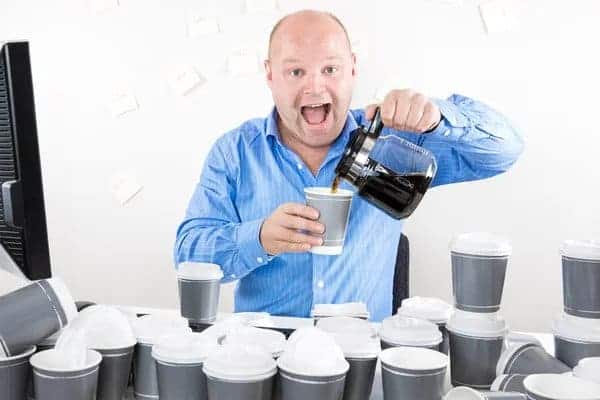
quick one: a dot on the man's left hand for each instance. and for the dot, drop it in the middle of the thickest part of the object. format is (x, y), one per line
(407, 110)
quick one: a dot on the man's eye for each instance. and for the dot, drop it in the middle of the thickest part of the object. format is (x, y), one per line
(296, 72)
(330, 70)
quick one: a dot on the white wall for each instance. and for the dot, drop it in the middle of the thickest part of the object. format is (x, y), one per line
(542, 74)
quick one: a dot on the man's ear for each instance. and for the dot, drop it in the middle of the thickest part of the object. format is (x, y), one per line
(268, 72)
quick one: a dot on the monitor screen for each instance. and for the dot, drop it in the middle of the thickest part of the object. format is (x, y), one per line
(23, 234)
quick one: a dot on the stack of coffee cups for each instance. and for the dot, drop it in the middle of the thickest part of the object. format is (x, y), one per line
(476, 329)
(577, 329)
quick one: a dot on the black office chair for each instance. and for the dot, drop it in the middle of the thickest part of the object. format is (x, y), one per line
(400, 290)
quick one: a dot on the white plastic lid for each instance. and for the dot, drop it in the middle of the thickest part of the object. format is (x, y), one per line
(64, 297)
(576, 328)
(358, 345)
(583, 249)
(429, 308)
(56, 361)
(319, 190)
(271, 341)
(199, 271)
(313, 352)
(184, 348)
(481, 244)
(346, 325)
(106, 328)
(408, 331)
(464, 393)
(562, 387)
(486, 325)
(149, 328)
(414, 358)
(356, 309)
(588, 369)
(240, 363)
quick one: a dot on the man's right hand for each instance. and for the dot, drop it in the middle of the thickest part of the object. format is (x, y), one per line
(282, 231)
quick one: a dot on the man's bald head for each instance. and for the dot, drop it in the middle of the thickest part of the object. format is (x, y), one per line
(305, 18)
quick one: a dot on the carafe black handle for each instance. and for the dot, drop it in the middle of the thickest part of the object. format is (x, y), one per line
(376, 124)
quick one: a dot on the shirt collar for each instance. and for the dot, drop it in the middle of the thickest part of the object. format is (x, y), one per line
(337, 147)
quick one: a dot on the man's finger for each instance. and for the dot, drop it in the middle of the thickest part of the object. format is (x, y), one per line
(429, 119)
(417, 109)
(301, 210)
(289, 247)
(303, 224)
(388, 110)
(296, 237)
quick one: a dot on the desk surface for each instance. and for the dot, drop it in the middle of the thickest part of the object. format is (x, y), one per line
(294, 323)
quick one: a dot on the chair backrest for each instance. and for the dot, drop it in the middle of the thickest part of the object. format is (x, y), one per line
(401, 274)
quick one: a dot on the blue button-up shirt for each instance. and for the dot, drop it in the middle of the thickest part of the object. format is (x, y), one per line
(250, 172)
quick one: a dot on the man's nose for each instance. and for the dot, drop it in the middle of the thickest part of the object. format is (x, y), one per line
(315, 84)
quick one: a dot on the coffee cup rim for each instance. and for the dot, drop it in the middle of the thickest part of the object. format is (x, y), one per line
(93, 358)
(394, 357)
(326, 191)
(461, 391)
(537, 384)
(6, 358)
(485, 244)
(574, 328)
(581, 249)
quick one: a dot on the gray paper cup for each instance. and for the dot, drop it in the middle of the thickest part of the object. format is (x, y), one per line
(478, 282)
(413, 373)
(571, 351)
(581, 277)
(15, 373)
(509, 383)
(181, 381)
(32, 313)
(359, 379)
(56, 384)
(581, 287)
(199, 287)
(240, 390)
(473, 360)
(145, 381)
(466, 393)
(114, 371)
(301, 387)
(334, 210)
(529, 358)
(560, 387)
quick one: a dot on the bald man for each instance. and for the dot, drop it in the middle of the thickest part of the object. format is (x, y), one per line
(248, 207)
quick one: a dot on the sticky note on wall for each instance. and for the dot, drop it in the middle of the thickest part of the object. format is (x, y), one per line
(124, 186)
(243, 62)
(199, 26)
(185, 79)
(122, 102)
(498, 16)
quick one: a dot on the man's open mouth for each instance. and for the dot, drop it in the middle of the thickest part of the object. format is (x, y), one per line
(315, 114)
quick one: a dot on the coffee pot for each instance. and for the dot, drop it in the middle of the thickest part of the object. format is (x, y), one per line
(388, 171)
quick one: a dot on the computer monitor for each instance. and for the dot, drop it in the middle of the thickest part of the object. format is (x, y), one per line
(23, 235)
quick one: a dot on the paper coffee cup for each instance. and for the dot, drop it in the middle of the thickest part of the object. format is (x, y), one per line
(588, 369)
(398, 331)
(476, 343)
(509, 383)
(560, 387)
(334, 211)
(413, 373)
(433, 310)
(14, 375)
(240, 373)
(271, 341)
(529, 358)
(312, 366)
(467, 393)
(479, 263)
(199, 286)
(149, 329)
(55, 378)
(576, 338)
(179, 360)
(32, 313)
(581, 277)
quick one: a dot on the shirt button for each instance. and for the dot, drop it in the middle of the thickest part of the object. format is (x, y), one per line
(299, 166)
(446, 132)
(232, 276)
(259, 259)
(320, 284)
